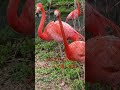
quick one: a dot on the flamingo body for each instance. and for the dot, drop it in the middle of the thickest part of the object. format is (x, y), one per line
(53, 30)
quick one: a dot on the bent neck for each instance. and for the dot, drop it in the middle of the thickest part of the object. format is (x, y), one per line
(12, 11)
(42, 21)
(63, 35)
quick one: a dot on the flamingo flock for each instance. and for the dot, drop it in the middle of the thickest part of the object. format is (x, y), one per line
(61, 31)
(52, 30)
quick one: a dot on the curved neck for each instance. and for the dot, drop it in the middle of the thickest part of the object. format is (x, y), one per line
(63, 35)
(78, 6)
(42, 21)
(12, 11)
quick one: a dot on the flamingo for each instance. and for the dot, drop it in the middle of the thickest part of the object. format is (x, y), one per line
(75, 13)
(52, 30)
(103, 61)
(74, 51)
(23, 24)
(97, 23)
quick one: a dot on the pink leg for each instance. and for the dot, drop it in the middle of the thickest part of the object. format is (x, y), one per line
(63, 72)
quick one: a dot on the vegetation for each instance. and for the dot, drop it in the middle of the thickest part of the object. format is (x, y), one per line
(68, 5)
(48, 65)
(17, 58)
(16, 55)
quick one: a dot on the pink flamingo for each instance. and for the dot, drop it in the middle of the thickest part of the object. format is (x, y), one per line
(52, 30)
(74, 51)
(103, 61)
(24, 23)
(75, 13)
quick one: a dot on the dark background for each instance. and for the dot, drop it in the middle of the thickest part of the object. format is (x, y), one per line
(16, 54)
(99, 78)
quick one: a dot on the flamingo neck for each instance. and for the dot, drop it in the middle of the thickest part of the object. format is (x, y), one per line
(78, 5)
(12, 16)
(40, 28)
(63, 35)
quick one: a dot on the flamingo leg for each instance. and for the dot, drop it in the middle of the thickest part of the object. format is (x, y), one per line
(82, 67)
(63, 70)
(49, 12)
(83, 77)
(78, 75)
(78, 72)
(74, 23)
(79, 25)
(61, 53)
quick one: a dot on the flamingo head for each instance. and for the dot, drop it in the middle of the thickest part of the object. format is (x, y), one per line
(38, 8)
(56, 14)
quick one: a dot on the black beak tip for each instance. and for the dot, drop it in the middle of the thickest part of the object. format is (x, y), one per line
(37, 14)
(55, 18)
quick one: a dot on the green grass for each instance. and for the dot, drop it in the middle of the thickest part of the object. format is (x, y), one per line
(53, 74)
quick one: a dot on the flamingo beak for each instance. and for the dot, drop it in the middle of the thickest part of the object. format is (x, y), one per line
(55, 18)
(37, 14)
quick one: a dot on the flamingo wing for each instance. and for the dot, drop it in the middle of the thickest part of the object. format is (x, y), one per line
(54, 32)
(69, 30)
